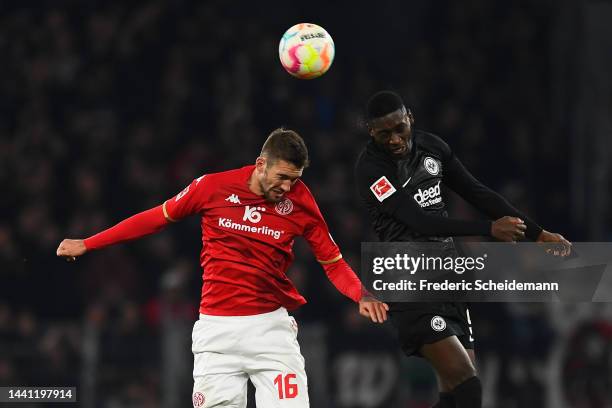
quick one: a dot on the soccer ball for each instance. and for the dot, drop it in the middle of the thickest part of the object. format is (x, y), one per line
(306, 51)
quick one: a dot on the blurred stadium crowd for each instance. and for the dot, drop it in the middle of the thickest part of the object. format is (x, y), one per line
(109, 108)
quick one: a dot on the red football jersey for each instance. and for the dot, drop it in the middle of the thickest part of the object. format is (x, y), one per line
(247, 242)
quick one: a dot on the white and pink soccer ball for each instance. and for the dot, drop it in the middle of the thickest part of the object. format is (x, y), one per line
(306, 51)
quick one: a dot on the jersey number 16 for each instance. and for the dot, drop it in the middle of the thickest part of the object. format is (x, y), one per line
(285, 388)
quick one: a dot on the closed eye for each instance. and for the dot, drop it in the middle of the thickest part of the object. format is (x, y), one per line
(286, 177)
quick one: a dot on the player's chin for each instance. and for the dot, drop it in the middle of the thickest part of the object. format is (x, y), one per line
(274, 197)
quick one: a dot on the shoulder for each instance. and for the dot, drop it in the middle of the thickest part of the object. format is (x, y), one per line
(232, 174)
(304, 197)
(370, 160)
(303, 201)
(301, 193)
(431, 143)
(228, 176)
(209, 185)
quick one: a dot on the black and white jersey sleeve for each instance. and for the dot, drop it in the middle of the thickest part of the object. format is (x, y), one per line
(489, 202)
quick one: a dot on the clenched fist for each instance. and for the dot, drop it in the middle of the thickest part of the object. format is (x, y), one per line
(508, 229)
(71, 248)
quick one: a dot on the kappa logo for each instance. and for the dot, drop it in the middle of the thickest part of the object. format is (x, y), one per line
(253, 214)
(438, 323)
(198, 399)
(382, 189)
(284, 207)
(432, 166)
(233, 198)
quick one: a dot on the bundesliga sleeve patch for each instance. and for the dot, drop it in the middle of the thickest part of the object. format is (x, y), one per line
(382, 189)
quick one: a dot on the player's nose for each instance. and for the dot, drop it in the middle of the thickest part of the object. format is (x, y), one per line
(286, 186)
(395, 139)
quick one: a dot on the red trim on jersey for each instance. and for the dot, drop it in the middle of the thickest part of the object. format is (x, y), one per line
(139, 225)
(344, 279)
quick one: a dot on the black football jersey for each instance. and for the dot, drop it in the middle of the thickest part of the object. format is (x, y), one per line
(404, 197)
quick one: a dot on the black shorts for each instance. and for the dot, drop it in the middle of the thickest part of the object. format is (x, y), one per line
(425, 323)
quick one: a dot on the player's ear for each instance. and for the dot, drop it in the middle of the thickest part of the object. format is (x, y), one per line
(369, 129)
(260, 164)
(410, 117)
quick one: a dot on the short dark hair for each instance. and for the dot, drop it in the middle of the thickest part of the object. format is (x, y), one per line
(288, 145)
(382, 103)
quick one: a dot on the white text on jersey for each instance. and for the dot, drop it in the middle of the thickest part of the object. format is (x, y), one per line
(428, 196)
(264, 230)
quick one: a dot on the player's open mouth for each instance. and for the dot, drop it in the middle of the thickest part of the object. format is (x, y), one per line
(398, 150)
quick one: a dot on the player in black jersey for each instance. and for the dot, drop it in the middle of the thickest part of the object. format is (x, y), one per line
(399, 176)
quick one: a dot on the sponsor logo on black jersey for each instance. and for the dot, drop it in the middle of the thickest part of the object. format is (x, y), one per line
(429, 196)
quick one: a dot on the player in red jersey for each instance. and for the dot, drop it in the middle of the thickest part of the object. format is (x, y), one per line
(250, 218)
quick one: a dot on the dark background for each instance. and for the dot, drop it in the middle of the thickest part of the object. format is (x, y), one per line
(109, 108)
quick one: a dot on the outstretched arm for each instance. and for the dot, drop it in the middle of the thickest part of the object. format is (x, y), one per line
(406, 210)
(458, 178)
(495, 206)
(139, 225)
(190, 200)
